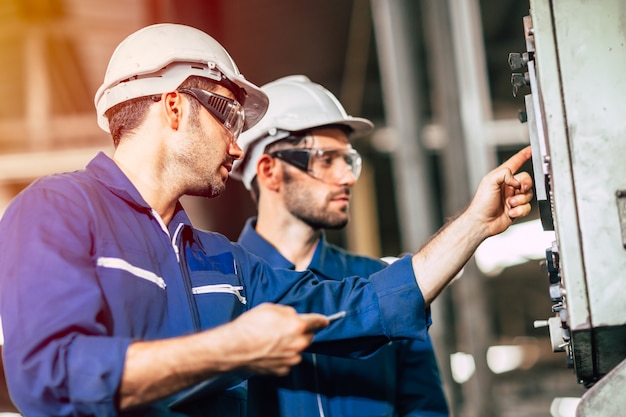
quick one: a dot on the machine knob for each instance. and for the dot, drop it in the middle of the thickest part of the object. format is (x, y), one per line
(557, 333)
(518, 61)
(518, 81)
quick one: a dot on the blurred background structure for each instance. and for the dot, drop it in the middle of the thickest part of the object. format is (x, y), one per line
(433, 76)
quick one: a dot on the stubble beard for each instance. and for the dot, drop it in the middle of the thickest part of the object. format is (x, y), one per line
(208, 183)
(304, 207)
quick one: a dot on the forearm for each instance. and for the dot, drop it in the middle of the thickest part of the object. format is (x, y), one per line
(443, 256)
(266, 339)
(501, 197)
(156, 369)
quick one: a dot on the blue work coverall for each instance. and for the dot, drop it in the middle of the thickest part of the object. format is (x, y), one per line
(401, 379)
(87, 267)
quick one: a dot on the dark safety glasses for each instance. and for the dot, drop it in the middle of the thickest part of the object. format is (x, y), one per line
(328, 165)
(228, 111)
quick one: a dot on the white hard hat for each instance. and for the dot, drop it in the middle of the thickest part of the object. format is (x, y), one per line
(158, 58)
(296, 104)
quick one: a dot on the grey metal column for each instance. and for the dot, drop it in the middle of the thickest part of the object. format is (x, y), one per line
(461, 104)
(473, 92)
(394, 39)
(473, 318)
(362, 232)
(446, 113)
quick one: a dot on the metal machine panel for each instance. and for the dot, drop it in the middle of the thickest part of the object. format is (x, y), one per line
(576, 60)
(561, 185)
(591, 40)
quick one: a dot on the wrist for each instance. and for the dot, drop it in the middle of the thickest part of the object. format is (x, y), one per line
(474, 226)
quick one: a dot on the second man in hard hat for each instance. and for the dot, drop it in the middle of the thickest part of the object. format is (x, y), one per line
(300, 168)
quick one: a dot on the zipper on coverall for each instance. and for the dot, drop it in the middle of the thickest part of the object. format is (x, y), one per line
(320, 406)
(177, 244)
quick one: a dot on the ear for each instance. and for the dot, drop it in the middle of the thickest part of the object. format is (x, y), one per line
(268, 172)
(172, 103)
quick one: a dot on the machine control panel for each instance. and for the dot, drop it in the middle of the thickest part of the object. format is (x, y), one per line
(573, 87)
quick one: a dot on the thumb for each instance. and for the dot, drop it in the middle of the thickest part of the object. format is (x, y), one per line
(314, 321)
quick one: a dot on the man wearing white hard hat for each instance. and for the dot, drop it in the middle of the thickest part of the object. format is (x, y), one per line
(300, 169)
(114, 304)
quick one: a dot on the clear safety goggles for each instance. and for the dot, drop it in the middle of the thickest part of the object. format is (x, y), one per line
(229, 112)
(328, 165)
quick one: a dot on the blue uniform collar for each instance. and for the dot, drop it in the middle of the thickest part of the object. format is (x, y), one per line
(256, 244)
(325, 261)
(106, 171)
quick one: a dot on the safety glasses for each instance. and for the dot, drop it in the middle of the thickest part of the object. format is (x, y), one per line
(228, 111)
(328, 165)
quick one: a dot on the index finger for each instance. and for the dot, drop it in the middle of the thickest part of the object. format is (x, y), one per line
(515, 162)
(314, 321)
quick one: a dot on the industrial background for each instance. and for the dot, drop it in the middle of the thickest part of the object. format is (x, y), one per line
(433, 76)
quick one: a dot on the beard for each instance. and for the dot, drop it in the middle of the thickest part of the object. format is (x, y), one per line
(211, 190)
(302, 204)
(205, 161)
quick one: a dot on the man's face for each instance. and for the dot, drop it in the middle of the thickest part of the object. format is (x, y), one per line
(322, 204)
(209, 152)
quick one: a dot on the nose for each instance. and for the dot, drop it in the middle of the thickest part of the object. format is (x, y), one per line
(347, 177)
(234, 150)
